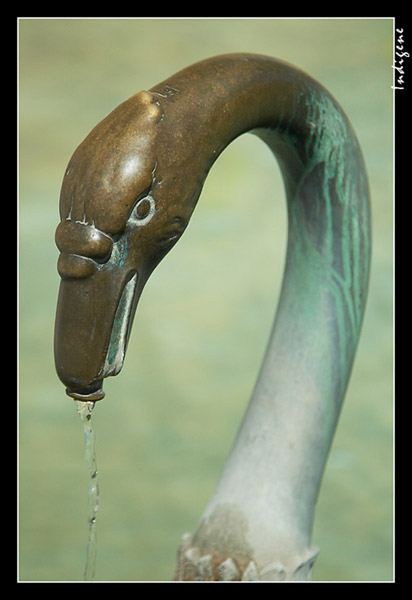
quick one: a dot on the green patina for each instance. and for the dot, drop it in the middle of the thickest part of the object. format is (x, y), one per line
(329, 243)
(118, 338)
(117, 342)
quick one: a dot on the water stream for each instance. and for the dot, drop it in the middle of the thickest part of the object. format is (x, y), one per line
(84, 410)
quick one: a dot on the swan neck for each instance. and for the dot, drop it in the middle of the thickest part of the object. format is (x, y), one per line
(269, 486)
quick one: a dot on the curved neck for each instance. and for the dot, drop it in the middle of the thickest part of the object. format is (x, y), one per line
(267, 492)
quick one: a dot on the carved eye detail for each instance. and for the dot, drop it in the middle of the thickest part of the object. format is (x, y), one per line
(144, 210)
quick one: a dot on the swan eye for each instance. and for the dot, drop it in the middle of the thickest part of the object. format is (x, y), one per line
(144, 210)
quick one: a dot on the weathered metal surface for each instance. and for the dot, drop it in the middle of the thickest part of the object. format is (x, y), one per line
(127, 196)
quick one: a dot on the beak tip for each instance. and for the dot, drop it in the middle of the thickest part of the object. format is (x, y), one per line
(86, 395)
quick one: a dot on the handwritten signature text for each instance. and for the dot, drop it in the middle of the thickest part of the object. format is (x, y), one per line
(398, 66)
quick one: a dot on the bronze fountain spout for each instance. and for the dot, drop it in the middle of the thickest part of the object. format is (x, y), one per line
(127, 196)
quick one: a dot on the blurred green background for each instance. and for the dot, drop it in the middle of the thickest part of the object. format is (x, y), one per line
(169, 419)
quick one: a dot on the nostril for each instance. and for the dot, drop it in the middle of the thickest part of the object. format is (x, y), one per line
(83, 239)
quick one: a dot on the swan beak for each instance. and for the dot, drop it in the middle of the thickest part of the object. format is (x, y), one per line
(93, 321)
